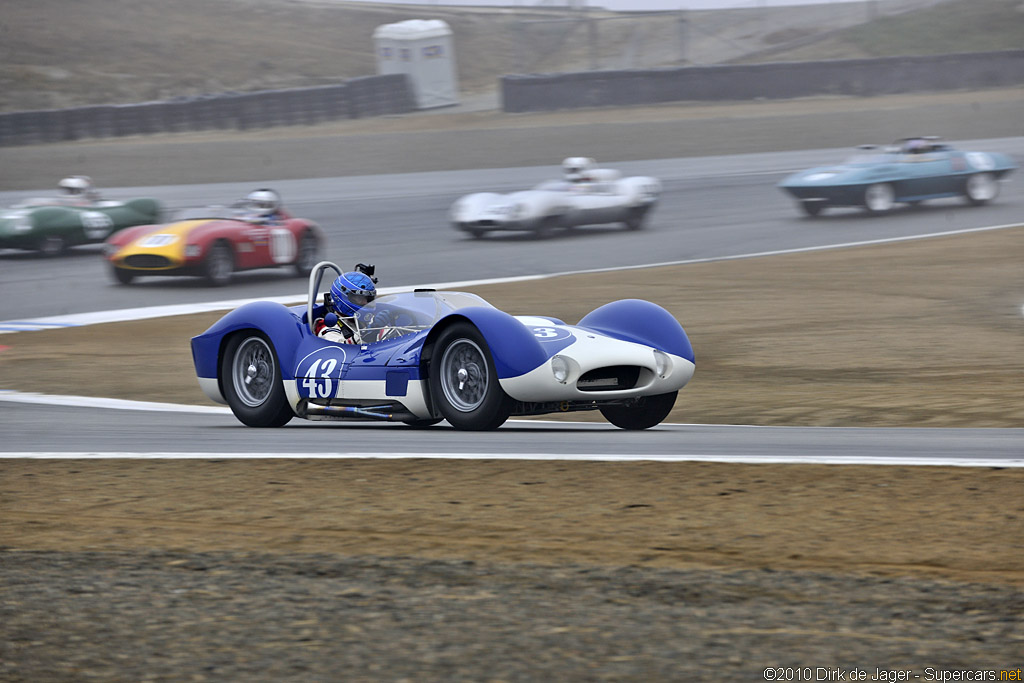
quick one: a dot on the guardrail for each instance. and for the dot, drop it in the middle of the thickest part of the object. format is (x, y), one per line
(779, 80)
(356, 98)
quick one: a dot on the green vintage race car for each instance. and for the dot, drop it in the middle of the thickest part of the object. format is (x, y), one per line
(76, 216)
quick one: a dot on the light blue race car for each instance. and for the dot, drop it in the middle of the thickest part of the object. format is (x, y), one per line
(440, 355)
(909, 171)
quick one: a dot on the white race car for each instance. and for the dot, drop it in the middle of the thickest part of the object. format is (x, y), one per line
(585, 196)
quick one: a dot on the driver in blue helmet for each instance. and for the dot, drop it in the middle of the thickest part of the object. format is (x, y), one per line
(350, 292)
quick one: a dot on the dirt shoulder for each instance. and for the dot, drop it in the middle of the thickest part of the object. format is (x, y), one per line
(946, 523)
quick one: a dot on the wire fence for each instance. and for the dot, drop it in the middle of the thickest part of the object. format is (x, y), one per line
(583, 40)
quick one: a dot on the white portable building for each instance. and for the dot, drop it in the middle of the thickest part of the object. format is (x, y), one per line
(421, 49)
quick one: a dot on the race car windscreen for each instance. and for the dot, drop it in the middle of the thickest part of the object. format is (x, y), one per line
(412, 311)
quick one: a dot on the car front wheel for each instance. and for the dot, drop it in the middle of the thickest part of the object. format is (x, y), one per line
(251, 379)
(545, 228)
(122, 275)
(52, 245)
(981, 188)
(635, 218)
(464, 383)
(219, 264)
(644, 413)
(812, 208)
(879, 198)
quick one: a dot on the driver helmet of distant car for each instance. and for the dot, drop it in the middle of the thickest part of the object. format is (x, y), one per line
(264, 203)
(916, 146)
(350, 292)
(77, 187)
(577, 169)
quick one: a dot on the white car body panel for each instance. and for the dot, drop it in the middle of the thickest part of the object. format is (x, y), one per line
(590, 351)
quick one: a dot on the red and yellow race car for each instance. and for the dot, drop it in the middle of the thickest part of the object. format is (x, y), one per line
(214, 242)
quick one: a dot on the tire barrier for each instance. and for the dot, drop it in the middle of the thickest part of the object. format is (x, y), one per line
(356, 98)
(780, 80)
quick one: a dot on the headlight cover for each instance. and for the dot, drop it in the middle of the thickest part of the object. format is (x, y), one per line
(20, 221)
(192, 250)
(560, 369)
(662, 364)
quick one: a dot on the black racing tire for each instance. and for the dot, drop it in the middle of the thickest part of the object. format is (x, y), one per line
(635, 218)
(879, 198)
(980, 189)
(464, 383)
(812, 208)
(251, 381)
(545, 228)
(219, 265)
(52, 245)
(308, 254)
(421, 424)
(476, 233)
(122, 275)
(647, 412)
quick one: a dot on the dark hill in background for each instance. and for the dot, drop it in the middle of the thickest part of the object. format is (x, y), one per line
(55, 53)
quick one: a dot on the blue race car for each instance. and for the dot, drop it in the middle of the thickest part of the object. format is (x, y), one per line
(443, 355)
(910, 171)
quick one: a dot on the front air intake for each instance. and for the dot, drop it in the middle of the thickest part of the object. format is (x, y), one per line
(613, 378)
(147, 261)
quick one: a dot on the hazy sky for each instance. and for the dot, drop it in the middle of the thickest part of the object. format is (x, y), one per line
(634, 5)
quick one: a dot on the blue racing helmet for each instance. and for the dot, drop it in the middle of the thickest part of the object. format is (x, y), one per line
(351, 291)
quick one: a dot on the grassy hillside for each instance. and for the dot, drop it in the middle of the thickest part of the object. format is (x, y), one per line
(959, 26)
(56, 53)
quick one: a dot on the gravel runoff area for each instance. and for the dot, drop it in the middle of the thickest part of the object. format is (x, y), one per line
(502, 570)
(506, 571)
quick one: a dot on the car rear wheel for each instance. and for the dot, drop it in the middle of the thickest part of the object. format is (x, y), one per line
(219, 265)
(464, 383)
(646, 412)
(879, 198)
(308, 256)
(251, 379)
(981, 188)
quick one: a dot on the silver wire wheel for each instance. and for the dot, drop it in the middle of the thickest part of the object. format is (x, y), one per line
(464, 375)
(219, 265)
(252, 372)
(463, 381)
(251, 380)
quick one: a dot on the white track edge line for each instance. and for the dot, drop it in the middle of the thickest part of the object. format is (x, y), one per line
(582, 457)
